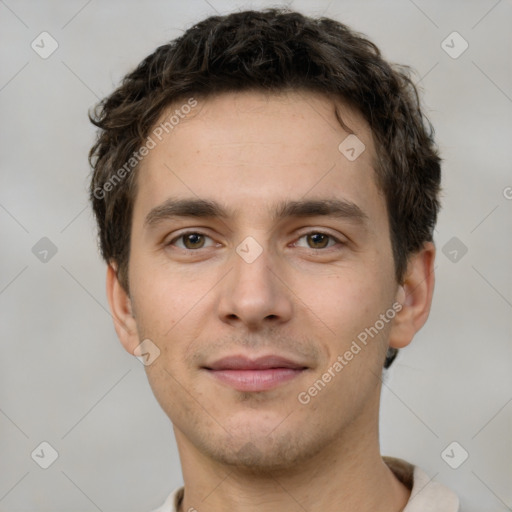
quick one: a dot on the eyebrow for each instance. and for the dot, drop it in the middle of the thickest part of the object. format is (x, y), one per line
(204, 208)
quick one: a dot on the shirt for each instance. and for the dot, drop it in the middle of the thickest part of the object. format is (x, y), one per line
(426, 495)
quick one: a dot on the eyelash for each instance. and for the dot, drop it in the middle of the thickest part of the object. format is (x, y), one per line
(182, 235)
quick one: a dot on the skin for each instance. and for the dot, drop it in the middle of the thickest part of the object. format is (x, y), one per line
(301, 298)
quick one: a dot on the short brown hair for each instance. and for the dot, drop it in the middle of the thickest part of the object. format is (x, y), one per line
(271, 50)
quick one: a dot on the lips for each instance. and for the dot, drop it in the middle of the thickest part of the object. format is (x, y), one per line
(261, 363)
(261, 374)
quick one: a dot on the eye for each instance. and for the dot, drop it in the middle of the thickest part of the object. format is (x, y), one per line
(318, 240)
(191, 241)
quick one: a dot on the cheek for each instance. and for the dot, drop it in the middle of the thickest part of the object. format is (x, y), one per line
(343, 302)
(349, 304)
(163, 298)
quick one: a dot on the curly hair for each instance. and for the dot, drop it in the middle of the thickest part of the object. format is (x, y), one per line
(272, 50)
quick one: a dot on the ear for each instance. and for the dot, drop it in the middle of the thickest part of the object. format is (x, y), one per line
(415, 296)
(122, 312)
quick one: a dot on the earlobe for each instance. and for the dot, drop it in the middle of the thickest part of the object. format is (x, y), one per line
(122, 311)
(415, 296)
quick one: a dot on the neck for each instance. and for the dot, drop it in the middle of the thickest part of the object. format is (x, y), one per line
(348, 474)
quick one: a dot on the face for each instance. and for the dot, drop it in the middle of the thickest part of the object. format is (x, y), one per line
(259, 255)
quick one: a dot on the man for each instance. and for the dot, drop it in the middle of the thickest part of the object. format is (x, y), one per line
(266, 188)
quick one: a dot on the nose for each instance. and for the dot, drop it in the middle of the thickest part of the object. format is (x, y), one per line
(254, 294)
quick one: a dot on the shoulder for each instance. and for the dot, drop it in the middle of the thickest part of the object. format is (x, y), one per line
(427, 495)
(172, 502)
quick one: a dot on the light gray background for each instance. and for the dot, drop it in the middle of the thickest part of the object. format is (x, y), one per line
(65, 378)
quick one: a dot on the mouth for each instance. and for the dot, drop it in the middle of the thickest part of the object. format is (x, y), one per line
(262, 374)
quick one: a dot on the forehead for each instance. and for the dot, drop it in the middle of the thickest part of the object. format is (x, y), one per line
(251, 148)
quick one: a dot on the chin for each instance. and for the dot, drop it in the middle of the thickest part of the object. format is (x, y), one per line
(261, 457)
(259, 448)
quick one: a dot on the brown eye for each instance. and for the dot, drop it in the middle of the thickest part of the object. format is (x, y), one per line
(317, 240)
(191, 241)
